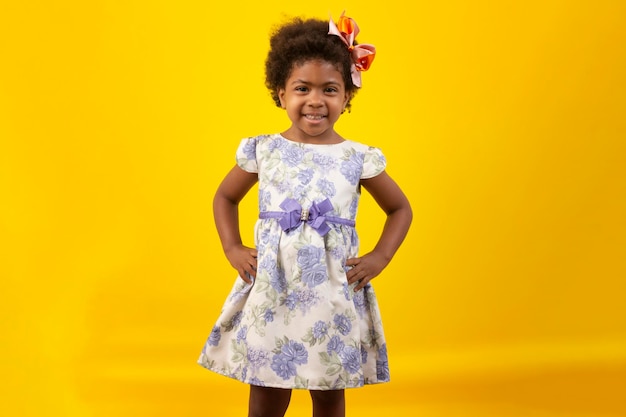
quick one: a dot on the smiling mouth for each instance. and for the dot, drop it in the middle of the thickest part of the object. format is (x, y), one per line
(314, 116)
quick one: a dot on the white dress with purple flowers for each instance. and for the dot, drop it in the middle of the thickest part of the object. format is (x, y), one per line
(300, 325)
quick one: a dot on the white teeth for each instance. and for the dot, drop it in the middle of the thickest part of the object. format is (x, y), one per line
(313, 117)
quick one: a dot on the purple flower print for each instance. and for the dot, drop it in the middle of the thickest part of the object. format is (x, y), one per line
(363, 354)
(306, 299)
(305, 176)
(265, 198)
(314, 276)
(326, 162)
(257, 358)
(377, 156)
(292, 155)
(241, 334)
(283, 367)
(351, 168)
(240, 292)
(291, 301)
(256, 381)
(278, 280)
(343, 324)
(267, 264)
(313, 271)
(309, 256)
(326, 187)
(354, 205)
(268, 316)
(249, 149)
(335, 345)
(382, 364)
(299, 192)
(360, 302)
(215, 336)
(277, 275)
(320, 329)
(237, 318)
(337, 252)
(291, 354)
(275, 144)
(296, 352)
(350, 359)
(346, 290)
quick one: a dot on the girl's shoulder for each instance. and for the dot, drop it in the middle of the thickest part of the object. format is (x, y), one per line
(262, 140)
(358, 145)
(372, 158)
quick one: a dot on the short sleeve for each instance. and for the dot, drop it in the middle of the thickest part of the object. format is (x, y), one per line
(374, 163)
(246, 155)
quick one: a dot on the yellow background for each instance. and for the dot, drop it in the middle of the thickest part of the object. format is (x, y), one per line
(504, 122)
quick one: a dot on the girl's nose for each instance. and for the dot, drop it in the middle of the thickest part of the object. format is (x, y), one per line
(316, 98)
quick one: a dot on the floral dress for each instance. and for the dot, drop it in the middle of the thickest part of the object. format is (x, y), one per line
(300, 325)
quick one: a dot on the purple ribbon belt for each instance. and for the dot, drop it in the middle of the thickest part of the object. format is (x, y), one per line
(315, 216)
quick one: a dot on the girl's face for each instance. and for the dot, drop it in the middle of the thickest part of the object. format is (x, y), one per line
(314, 97)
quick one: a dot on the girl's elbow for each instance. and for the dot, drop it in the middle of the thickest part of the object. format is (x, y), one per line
(403, 211)
(408, 214)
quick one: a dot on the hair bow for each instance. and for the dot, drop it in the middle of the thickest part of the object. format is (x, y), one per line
(362, 54)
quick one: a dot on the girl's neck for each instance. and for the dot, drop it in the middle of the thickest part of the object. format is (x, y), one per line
(325, 139)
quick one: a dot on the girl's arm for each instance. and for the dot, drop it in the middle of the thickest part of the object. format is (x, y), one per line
(231, 191)
(392, 201)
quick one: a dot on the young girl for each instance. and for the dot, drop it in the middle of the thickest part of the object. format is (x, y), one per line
(303, 313)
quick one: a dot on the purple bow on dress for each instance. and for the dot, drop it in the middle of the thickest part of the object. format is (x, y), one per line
(314, 216)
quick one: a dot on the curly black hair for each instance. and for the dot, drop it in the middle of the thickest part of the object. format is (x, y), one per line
(299, 41)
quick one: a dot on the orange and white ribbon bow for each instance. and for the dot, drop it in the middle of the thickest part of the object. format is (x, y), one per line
(362, 54)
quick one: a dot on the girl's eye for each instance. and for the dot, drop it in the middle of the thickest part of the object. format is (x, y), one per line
(302, 89)
(331, 90)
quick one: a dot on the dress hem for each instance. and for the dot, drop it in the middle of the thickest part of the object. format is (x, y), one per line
(310, 388)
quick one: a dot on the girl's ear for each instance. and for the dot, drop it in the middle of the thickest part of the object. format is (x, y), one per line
(346, 100)
(281, 97)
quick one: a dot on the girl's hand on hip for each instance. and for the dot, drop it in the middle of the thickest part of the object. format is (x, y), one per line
(365, 268)
(243, 259)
